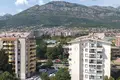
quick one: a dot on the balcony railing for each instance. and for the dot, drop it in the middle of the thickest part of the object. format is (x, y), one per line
(92, 51)
(92, 56)
(99, 62)
(99, 46)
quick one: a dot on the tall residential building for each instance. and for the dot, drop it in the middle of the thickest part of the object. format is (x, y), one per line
(89, 58)
(21, 50)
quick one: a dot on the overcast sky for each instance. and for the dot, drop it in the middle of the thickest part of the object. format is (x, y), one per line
(15, 6)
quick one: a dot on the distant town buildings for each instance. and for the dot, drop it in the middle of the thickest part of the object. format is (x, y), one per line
(115, 52)
(58, 31)
(21, 50)
(89, 58)
(117, 41)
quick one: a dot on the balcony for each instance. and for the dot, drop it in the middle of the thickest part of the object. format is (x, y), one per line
(10, 56)
(99, 52)
(10, 44)
(99, 45)
(100, 49)
(92, 56)
(92, 51)
(99, 67)
(10, 60)
(10, 52)
(92, 62)
(99, 73)
(4, 43)
(92, 71)
(99, 56)
(5, 47)
(10, 48)
(92, 67)
(99, 62)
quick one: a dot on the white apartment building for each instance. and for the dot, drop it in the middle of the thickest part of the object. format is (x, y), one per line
(21, 50)
(89, 58)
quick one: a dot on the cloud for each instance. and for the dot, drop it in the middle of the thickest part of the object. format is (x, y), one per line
(2, 13)
(21, 2)
(30, 2)
(41, 2)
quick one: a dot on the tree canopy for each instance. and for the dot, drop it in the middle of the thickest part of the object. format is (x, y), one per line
(49, 63)
(55, 52)
(3, 60)
(7, 76)
(44, 76)
(63, 74)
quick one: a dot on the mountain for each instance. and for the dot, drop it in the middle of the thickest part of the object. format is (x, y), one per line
(5, 17)
(61, 13)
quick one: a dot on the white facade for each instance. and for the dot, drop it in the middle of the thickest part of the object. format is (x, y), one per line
(89, 58)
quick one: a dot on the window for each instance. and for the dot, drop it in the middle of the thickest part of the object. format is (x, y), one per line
(99, 67)
(92, 45)
(70, 59)
(86, 65)
(86, 55)
(18, 61)
(92, 66)
(99, 72)
(86, 76)
(92, 50)
(86, 60)
(70, 49)
(92, 56)
(86, 50)
(86, 70)
(99, 44)
(18, 49)
(91, 77)
(91, 61)
(99, 61)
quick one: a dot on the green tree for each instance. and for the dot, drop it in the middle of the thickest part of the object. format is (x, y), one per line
(52, 53)
(7, 76)
(106, 78)
(63, 74)
(45, 76)
(118, 78)
(3, 60)
(111, 78)
(55, 52)
(49, 63)
(52, 78)
(41, 49)
(60, 51)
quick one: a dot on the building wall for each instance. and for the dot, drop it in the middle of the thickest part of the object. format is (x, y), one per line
(16, 58)
(81, 58)
(107, 59)
(74, 61)
(19, 51)
(23, 58)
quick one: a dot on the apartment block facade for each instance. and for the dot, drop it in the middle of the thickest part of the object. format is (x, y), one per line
(21, 50)
(89, 58)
